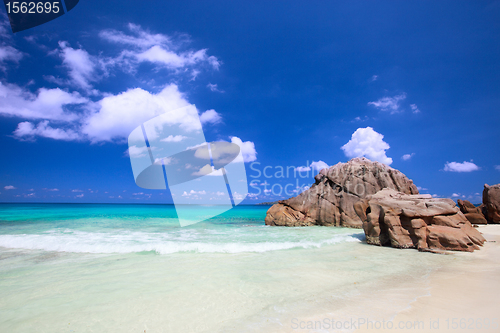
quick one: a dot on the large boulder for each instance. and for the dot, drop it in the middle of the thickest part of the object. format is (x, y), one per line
(472, 213)
(330, 200)
(491, 203)
(416, 221)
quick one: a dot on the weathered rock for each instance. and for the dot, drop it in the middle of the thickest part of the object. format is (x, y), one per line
(472, 213)
(416, 221)
(330, 201)
(491, 203)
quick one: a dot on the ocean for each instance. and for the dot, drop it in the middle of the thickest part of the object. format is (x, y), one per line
(132, 268)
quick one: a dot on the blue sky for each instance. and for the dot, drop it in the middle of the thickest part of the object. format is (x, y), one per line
(413, 84)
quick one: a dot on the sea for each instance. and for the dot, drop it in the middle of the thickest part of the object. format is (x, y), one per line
(133, 268)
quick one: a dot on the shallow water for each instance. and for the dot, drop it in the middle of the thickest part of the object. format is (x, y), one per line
(130, 268)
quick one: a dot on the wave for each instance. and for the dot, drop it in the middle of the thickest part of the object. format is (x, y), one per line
(134, 242)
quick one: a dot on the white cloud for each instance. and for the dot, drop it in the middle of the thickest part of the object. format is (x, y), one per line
(46, 104)
(406, 157)
(368, 143)
(390, 104)
(7, 52)
(120, 114)
(10, 187)
(456, 195)
(210, 117)
(136, 152)
(143, 46)
(497, 167)
(414, 108)
(114, 116)
(247, 149)
(460, 167)
(158, 55)
(76, 190)
(374, 78)
(193, 193)
(208, 170)
(214, 88)
(139, 37)
(4, 25)
(79, 195)
(51, 189)
(111, 118)
(80, 64)
(319, 165)
(26, 130)
(359, 119)
(421, 188)
(174, 138)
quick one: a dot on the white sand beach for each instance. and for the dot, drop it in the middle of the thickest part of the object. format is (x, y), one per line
(460, 296)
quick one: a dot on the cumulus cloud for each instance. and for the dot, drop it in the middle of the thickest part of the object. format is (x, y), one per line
(119, 114)
(27, 130)
(460, 167)
(9, 187)
(319, 165)
(111, 118)
(210, 117)
(62, 115)
(193, 193)
(51, 104)
(315, 165)
(407, 157)
(374, 78)
(247, 149)
(368, 143)
(389, 104)
(174, 138)
(497, 167)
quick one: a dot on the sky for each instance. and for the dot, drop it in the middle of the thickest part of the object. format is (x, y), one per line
(298, 85)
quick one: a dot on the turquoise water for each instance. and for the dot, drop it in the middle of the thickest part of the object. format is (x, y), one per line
(149, 228)
(132, 268)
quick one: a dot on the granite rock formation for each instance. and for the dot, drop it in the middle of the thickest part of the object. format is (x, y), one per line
(416, 221)
(472, 213)
(330, 200)
(491, 203)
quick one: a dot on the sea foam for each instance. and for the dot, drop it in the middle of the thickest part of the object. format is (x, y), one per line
(162, 243)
